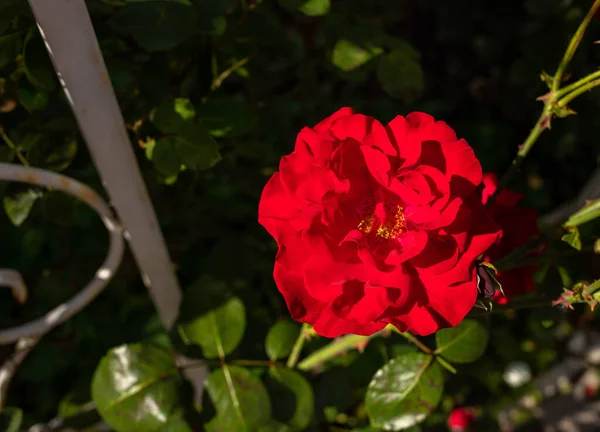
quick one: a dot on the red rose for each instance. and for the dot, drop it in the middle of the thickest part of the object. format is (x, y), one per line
(460, 419)
(377, 225)
(519, 226)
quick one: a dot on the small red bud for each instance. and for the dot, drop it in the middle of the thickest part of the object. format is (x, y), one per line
(460, 419)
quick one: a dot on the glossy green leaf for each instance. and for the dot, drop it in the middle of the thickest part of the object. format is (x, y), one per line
(136, 388)
(10, 47)
(464, 343)
(292, 397)
(404, 392)
(401, 75)
(227, 117)
(11, 419)
(349, 56)
(177, 423)
(157, 25)
(572, 238)
(37, 65)
(240, 400)
(217, 330)
(19, 206)
(281, 338)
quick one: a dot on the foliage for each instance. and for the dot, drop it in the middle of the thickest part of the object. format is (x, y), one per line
(213, 92)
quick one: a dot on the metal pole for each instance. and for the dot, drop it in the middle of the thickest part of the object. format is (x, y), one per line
(67, 30)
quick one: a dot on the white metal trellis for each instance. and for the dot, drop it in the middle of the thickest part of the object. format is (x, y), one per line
(71, 42)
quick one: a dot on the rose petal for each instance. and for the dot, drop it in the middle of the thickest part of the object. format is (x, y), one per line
(324, 125)
(276, 207)
(439, 255)
(462, 168)
(356, 126)
(446, 306)
(361, 302)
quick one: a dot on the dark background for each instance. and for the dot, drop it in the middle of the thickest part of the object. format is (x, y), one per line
(475, 65)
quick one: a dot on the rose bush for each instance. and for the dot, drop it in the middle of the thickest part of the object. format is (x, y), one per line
(519, 226)
(377, 225)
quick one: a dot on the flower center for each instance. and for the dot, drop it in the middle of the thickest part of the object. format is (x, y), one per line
(388, 226)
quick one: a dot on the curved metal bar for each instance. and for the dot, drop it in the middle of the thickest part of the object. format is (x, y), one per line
(80, 191)
(13, 280)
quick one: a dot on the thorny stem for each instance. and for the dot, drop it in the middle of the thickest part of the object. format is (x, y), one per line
(579, 91)
(572, 47)
(550, 102)
(573, 86)
(346, 343)
(293, 359)
(227, 72)
(333, 349)
(13, 147)
(410, 337)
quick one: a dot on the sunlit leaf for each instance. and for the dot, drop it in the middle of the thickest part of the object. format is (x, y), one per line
(404, 392)
(572, 238)
(212, 318)
(349, 56)
(240, 400)
(136, 388)
(19, 206)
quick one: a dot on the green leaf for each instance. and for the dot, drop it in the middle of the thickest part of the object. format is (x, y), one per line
(281, 338)
(189, 143)
(307, 7)
(217, 330)
(400, 75)
(31, 98)
(136, 388)
(404, 392)
(10, 47)
(572, 238)
(177, 423)
(292, 396)
(227, 117)
(37, 65)
(464, 343)
(349, 56)
(589, 212)
(19, 206)
(240, 400)
(275, 426)
(157, 25)
(11, 419)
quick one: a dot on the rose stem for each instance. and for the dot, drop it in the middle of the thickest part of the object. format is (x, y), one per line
(445, 364)
(293, 359)
(544, 120)
(410, 337)
(336, 347)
